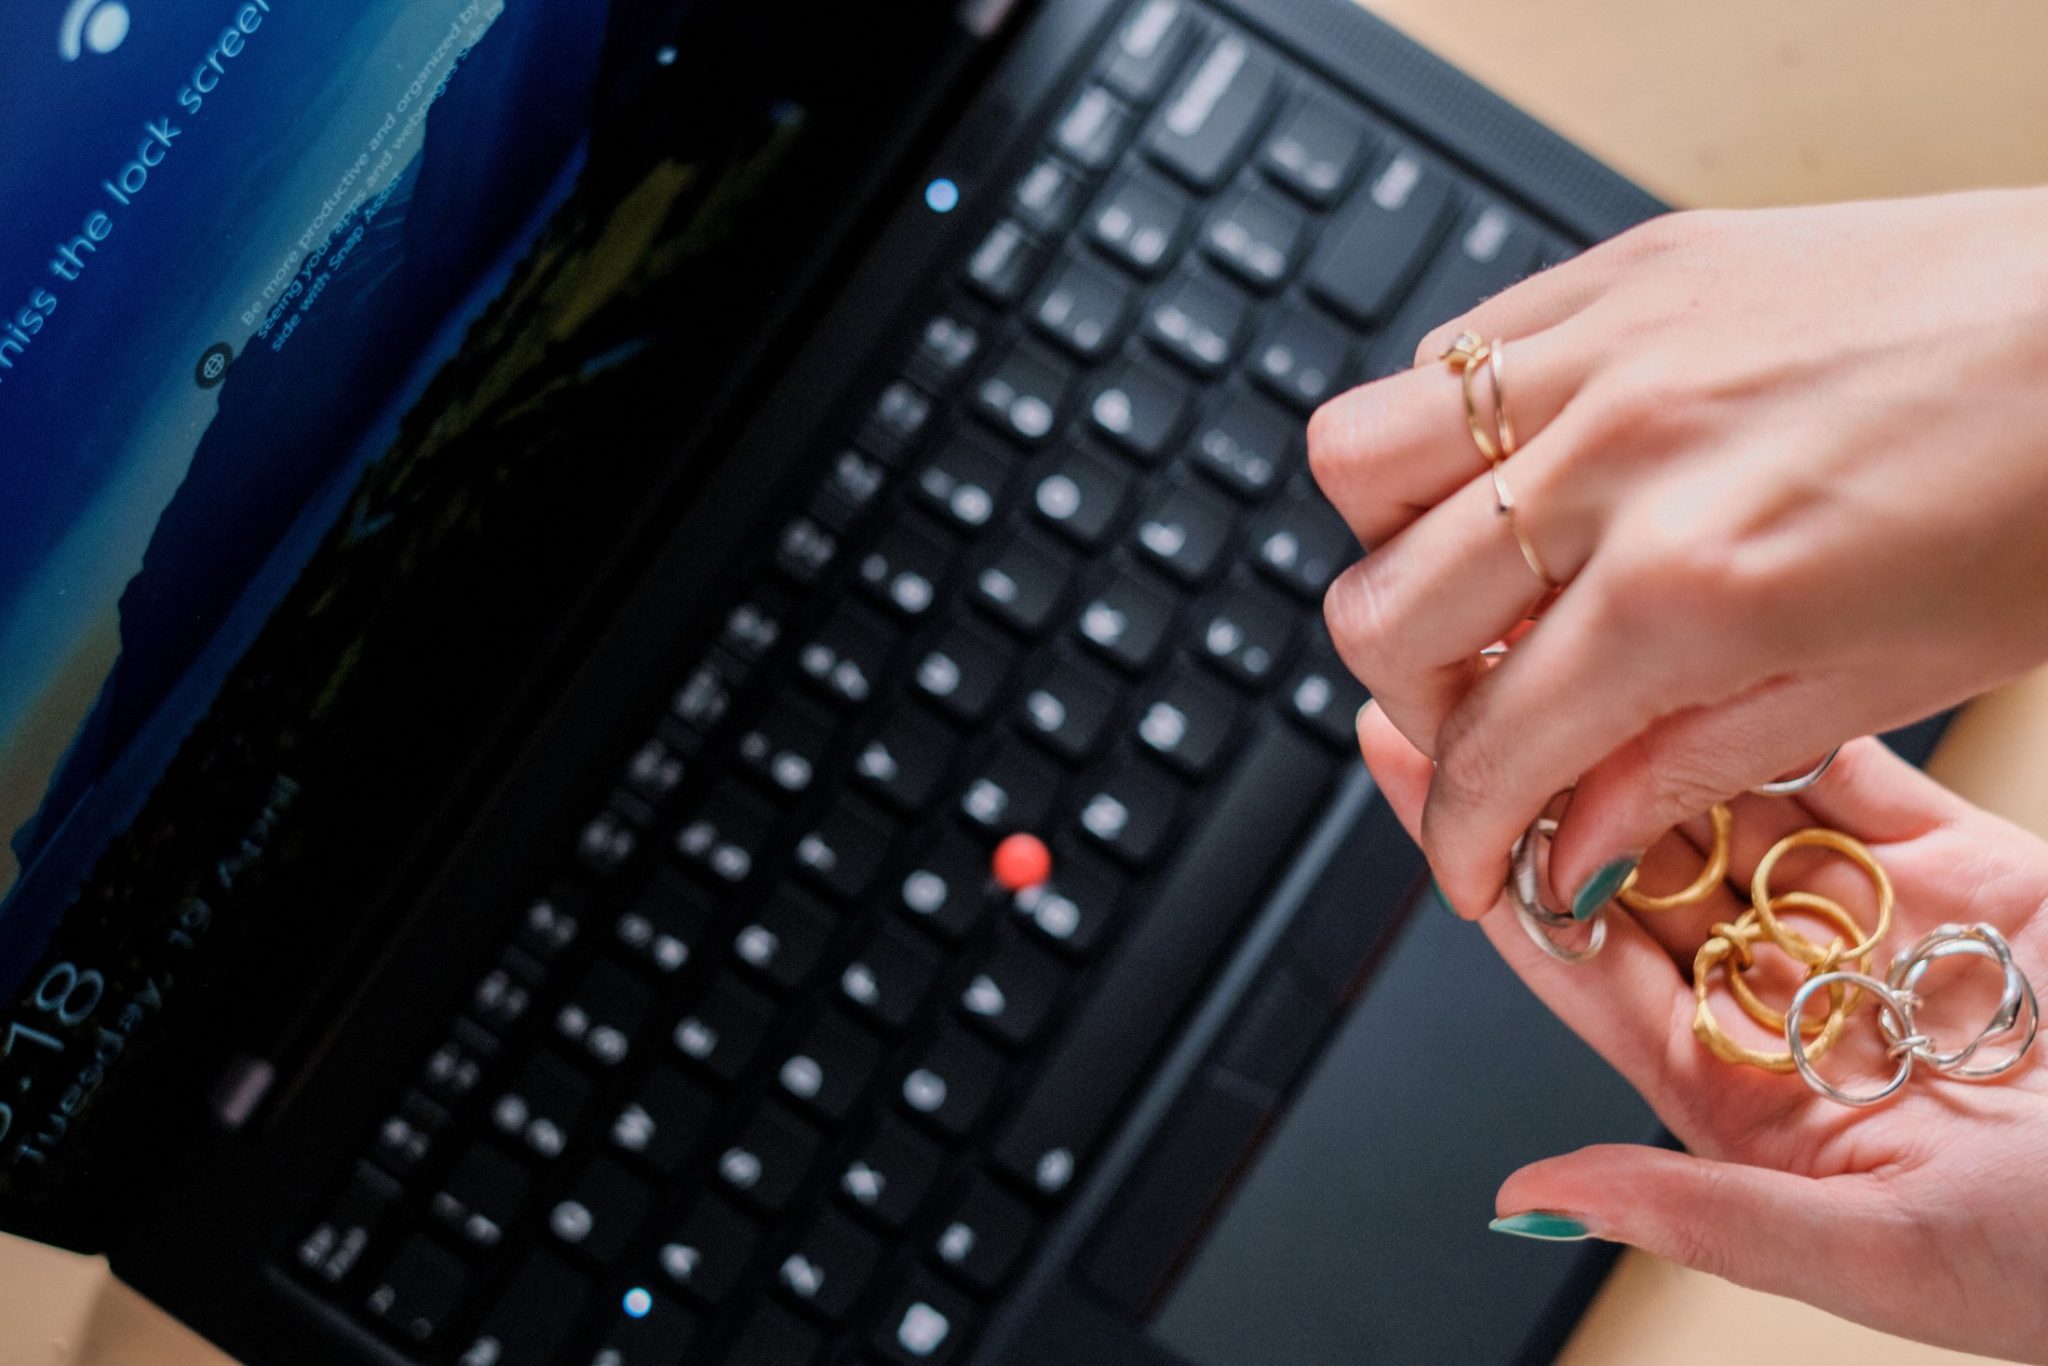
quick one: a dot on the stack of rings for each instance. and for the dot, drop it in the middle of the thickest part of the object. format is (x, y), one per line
(1468, 355)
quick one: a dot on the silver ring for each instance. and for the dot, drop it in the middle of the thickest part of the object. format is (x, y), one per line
(1787, 787)
(1525, 889)
(2018, 1011)
(1901, 1015)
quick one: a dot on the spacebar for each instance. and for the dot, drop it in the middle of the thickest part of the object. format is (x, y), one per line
(1226, 868)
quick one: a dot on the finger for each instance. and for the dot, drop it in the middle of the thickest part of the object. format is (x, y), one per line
(1677, 768)
(1385, 453)
(1411, 618)
(1751, 1225)
(1544, 300)
(1630, 1003)
(1549, 712)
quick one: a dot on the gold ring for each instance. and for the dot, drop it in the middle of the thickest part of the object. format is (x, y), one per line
(1497, 361)
(1466, 354)
(1735, 941)
(1504, 505)
(1701, 887)
(1852, 849)
(1822, 960)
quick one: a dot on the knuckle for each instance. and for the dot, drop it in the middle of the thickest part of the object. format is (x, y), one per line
(1332, 440)
(1469, 765)
(1355, 612)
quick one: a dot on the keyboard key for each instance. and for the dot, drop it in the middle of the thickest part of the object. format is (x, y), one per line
(1140, 407)
(963, 483)
(843, 852)
(964, 671)
(1206, 126)
(1147, 49)
(1245, 834)
(1024, 394)
(420, 1291)
(725, 1030)
(1048, 199)
(1083, 309)
(532, 1320)
(1246, 445)
(407, 1134)
(951, 1083)
(904, 762)
(1023, 585)
(984, 1236)
(1093, 129)
(1082, 498)
(503, 996)
(1138, 222)
(898, 420)
(710, 1250)
(1197, 321)
(890, 1175)
(665, 927)
(1300, 359)
(1003, 266)
(1315, 149)
(656, 770)
(888, 980)
(848, 655)
(1070, 709)
(830, 1069)
(784, 943)
(831, 1266)
(356, 1221)
(804, 551)
(785, 746)
(1185, 532)
(770, 1159)
(947, 889)
(1301, 544)
(705, 697)
(948, 346)
(774, 1336)
(1248, 634)
(1325, 698)
(1010, 788)
(606, 844)
(1130, 811)
(927, 1322)
(541, 1107)
(601, 1212)
(727, 834)
(753, 627)
(1071, 911)
(849, 492)
(906, 566)
(1381, 240)
(1013, 994)
(1256, 237)
(602, 1014)
(649, 1330)
(665, 1121)
(1127, 621)
(1186, 721)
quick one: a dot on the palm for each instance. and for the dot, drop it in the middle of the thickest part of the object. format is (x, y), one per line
(1921, 1215)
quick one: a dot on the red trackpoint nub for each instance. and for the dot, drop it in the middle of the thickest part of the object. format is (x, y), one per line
(1021, 862)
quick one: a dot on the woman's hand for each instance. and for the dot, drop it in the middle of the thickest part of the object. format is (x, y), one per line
(1922, 1217)
(1793, 469)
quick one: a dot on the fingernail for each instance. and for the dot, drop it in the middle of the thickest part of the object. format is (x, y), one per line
(1544, 1225)
(1601, 887)
(1438, 889)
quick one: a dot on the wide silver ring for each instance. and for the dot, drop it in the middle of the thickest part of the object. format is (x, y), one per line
(2018, 1011)
(1901, 1014)
(1525, 889)
(1789, 787)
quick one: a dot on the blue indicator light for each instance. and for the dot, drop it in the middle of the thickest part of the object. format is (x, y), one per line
(639, 1304)
(943, 195)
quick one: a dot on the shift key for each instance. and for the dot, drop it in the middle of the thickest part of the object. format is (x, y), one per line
(1381, 240)
(1253, 823)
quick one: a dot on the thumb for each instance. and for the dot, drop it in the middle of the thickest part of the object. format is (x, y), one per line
(1769, 1230)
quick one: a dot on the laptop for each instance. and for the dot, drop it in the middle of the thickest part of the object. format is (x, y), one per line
(662, 695)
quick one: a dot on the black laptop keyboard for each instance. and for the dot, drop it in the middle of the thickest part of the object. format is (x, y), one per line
(777, 1073)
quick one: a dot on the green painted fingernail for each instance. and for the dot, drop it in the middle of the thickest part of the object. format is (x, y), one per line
(1437, 889)
(1542, 1225)
(1601, 887)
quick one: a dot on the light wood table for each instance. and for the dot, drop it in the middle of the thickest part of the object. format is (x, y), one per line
(1732, 102)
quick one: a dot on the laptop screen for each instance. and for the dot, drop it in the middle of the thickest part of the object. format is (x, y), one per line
(342, 347)
(229, 226)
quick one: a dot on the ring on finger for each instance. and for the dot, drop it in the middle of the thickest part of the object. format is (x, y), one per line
(1504, 507)
(1467, 354)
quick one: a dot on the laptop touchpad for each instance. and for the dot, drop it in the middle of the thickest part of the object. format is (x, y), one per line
(1360, 1234)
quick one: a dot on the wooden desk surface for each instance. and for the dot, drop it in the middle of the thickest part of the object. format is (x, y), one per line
(1730, 102)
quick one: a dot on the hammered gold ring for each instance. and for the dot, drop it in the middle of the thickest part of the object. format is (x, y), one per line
(1836, 842)
(1701, 887)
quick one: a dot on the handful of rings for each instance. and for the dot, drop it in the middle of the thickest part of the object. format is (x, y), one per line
(1840, 972)
(1841, 969)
